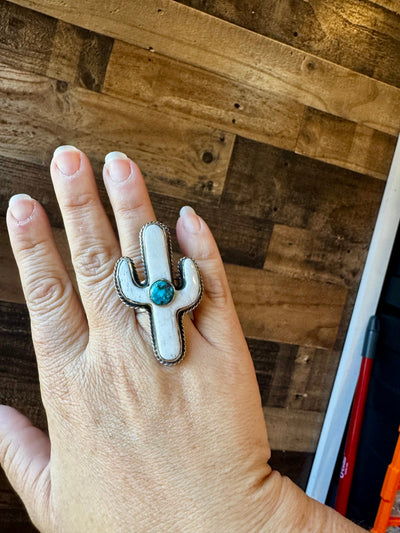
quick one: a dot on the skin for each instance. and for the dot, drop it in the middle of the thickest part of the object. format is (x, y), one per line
(135, 446)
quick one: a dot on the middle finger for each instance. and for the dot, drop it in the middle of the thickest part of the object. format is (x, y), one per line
(130, 201)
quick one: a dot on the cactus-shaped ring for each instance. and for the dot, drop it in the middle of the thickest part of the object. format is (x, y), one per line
(165, 299)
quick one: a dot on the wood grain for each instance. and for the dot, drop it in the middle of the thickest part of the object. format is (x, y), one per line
(285, 310)
(312, 254)
(296, 191)
(80, 57)
(345, 144)
(283, 429)
(241, 55)
(179, 88)
(357, 34)
(170, 150)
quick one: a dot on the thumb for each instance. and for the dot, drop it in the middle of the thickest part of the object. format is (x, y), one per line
(25, 458)
(216, 316)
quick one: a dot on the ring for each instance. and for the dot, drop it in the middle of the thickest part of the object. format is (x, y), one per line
(165, 299)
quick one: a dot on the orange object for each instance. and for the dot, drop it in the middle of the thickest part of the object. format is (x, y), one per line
(389, 490)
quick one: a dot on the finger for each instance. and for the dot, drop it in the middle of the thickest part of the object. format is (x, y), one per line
(51, 299)
(94, 247)
(130, 201)
(215, 317)
(25, 458)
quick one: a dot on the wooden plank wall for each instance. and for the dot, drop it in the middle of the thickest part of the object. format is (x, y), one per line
(275, 119)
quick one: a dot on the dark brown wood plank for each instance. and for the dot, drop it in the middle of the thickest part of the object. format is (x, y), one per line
(295, 465)
(40, 44)
(357, 34)
(293, 190)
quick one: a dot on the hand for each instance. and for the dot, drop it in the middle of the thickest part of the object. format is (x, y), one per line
(134, 445)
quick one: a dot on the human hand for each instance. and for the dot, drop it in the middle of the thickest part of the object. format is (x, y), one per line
(134, 445)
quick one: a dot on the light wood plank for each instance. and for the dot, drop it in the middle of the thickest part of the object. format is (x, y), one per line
(391, 5)
(293, 429)
(178, 157)
(275, 307)
(313, 254)
(357, 34)
(202, 40)
(178, 88)
(345, 144)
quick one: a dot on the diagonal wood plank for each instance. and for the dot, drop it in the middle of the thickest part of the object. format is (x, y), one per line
(201, 40)
(357, 34)
(179, 88)
(319, 255)
(178, 157)
(296, 191)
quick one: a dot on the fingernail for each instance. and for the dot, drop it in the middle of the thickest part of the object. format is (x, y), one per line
(21, 207)
(68, 159)
(190, 219)
(118, 166)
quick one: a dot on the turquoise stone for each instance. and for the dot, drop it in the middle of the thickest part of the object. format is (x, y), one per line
(161, 292)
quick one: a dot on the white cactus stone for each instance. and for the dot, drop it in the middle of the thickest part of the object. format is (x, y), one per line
(165, 302)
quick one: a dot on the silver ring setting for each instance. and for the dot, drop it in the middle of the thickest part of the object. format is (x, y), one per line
(165, 299)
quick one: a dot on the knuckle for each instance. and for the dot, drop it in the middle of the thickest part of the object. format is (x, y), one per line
(47, 293)
(33, 248)
(94, 263)
(74, 202)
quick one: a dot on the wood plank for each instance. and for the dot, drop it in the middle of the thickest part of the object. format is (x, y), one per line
(163, 83)
(391, 5)
(178, 88)
(345, 144)
(311, 379)
(317, 255)
(269, 359)
(79, 56)
(202, 40)
(293, 429)
(39, 44)
(293, 190)
(274, 307)
(357, 34)
(26, 38)
(178, 157)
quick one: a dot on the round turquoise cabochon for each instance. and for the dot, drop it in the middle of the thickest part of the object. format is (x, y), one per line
(161, 292)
